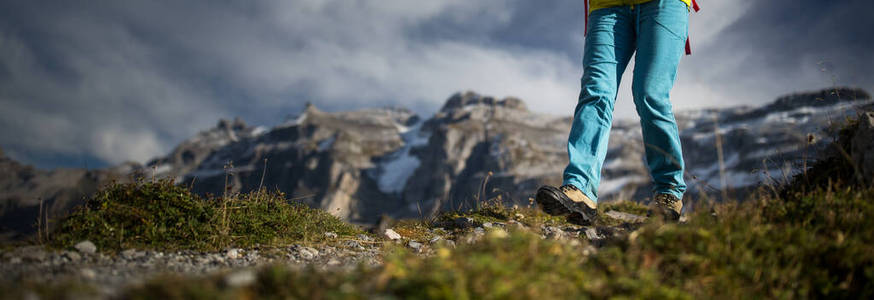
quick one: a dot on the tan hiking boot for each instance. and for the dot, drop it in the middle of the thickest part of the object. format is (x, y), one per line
(568, 201)
(666, 205)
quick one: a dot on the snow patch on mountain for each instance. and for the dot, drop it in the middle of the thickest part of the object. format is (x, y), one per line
(393, 173)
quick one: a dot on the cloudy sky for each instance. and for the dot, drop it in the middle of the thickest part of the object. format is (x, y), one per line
(98, 82)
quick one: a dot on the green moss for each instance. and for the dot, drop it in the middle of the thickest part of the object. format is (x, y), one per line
(414, 230)
(262, 218)
(624, 206)
(161, 215)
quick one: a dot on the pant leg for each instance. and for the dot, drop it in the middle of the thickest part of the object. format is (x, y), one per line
(662, 29)
(609, 46)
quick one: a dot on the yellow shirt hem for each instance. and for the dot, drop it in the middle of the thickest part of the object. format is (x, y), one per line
(598, 4)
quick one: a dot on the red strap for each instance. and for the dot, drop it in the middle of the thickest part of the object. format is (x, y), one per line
(587, 18)
(688, 44)
(688, 47)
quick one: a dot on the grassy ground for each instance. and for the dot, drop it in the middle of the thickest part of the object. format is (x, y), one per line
(807, 244)
(815, 244)
(161, 215)
(808, 239)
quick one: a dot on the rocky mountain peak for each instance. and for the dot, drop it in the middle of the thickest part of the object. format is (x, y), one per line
(236, 125)
(469, 98)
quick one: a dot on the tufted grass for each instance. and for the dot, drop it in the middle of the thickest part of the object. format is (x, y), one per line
(165, 216)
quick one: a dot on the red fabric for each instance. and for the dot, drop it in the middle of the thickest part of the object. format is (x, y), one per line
(688, 47)
(695, 6)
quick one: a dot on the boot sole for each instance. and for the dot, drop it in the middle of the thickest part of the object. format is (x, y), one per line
(554, 202)
(549, 200)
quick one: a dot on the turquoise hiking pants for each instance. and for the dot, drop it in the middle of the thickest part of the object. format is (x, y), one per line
(656, 31)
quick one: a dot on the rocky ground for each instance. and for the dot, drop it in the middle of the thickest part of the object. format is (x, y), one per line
(110, 272)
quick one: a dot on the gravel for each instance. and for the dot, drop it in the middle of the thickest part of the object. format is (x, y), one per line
(110, 272)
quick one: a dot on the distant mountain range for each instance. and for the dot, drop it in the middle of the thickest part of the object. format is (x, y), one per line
(363, 164)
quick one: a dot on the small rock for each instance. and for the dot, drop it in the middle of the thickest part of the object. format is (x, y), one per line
(15, 260)
(552, 232)
(88, 273)
(330, 235)
(391, 234)
(352, 244)
(519, 216)
(479, 231)
(240, 278)
(592, 234)
(488, 225)
(365, 238)
(308, 253)
(463, 222)
(233, 254)
(435, 239)
(129, 254)
(333, 262)
(86, 247)
(625, 217)
(415, 245)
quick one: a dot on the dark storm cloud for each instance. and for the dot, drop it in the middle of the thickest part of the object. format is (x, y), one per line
(80, 84)
(99, 82)
(779, 46)
(108, 81)
(551, 25)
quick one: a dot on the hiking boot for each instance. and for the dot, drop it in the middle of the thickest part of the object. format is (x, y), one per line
(666, 205)
(568, 201)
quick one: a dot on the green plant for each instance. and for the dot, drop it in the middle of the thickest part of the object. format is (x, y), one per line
(162, 215)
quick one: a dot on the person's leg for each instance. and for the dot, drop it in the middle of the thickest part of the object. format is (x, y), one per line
(662, 29)
(608, 49)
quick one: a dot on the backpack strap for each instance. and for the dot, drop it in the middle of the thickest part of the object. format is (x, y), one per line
(688, 44)
(586, 32)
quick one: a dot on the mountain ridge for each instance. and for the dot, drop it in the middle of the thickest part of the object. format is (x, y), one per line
(361, 165)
